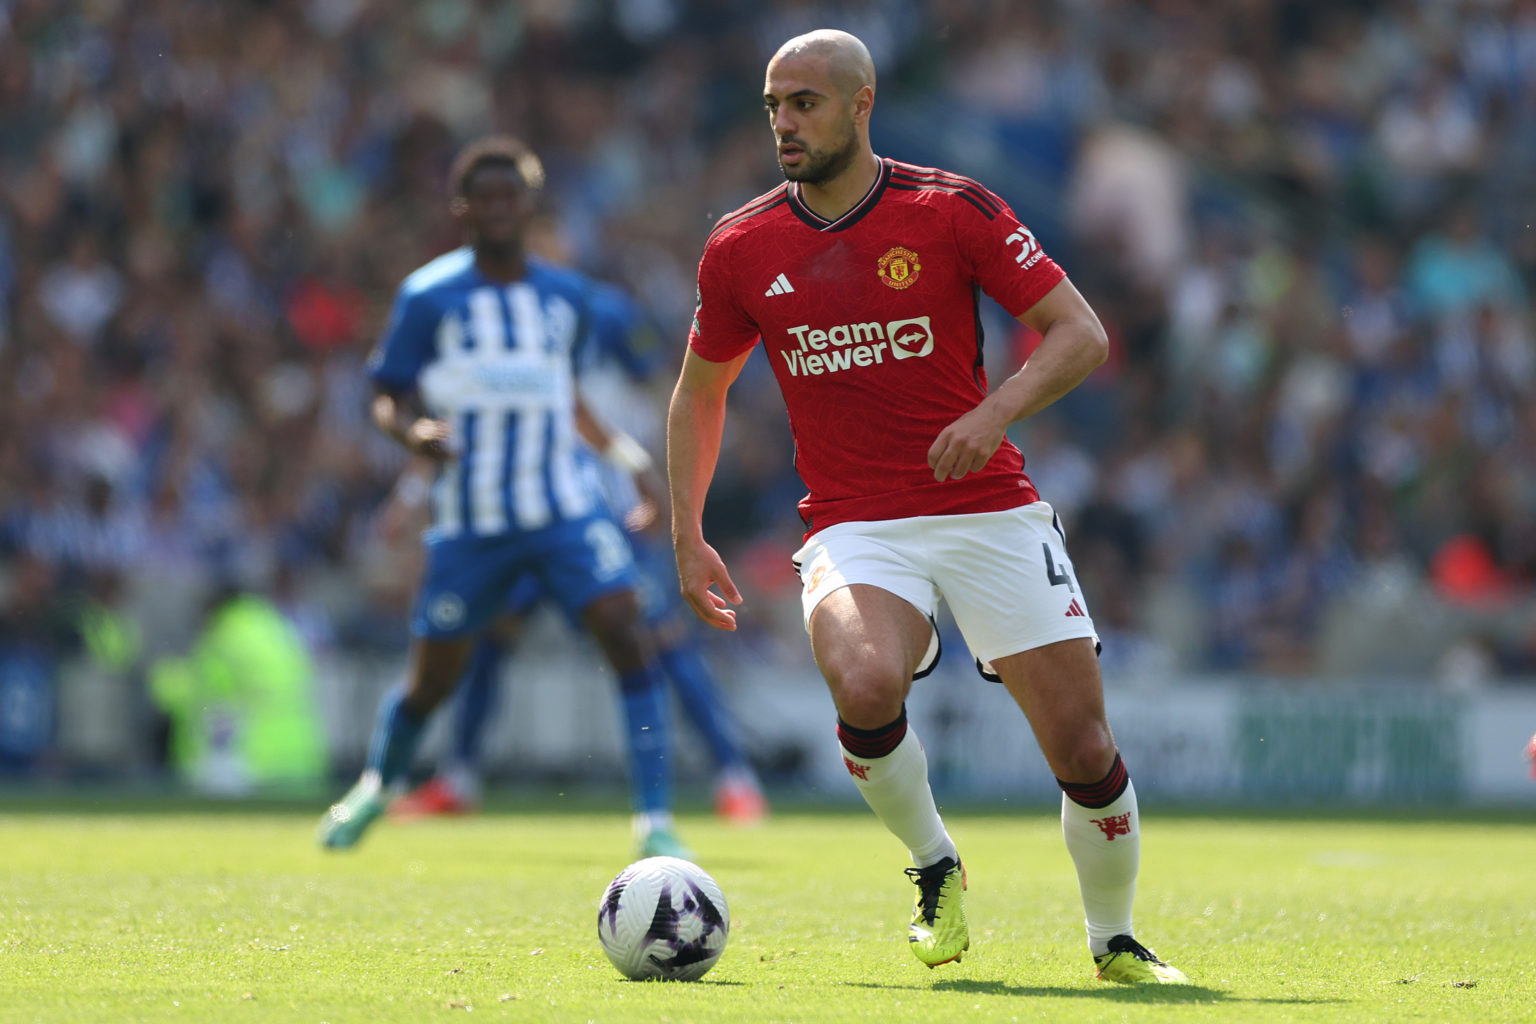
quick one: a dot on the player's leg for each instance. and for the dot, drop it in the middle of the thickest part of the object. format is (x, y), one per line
(473, 708)
(462, 583)
(868, 643)
(738, 795)
(1011, 586)
(435, 666)
(1060, 691)
(455, 787)
(588, 567)
(614, 622)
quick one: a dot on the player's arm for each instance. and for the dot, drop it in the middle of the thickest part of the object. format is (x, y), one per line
(406, 509)
(400, 415)
(611, 443)
(396, 365)
(626, 453)
(695, 426)
(1073, 344)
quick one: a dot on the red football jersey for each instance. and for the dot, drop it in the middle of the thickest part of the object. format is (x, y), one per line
(871, 324)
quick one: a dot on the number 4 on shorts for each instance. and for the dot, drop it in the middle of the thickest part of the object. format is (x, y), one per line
(1056, 577)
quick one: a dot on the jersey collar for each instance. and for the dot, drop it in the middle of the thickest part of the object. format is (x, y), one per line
(852, 217)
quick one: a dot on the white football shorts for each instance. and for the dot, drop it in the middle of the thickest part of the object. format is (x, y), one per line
(1005, 576)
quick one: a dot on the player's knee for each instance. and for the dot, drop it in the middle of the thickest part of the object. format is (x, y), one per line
(426, 692)
(867, 696)
(613, 613)
(1085, 755)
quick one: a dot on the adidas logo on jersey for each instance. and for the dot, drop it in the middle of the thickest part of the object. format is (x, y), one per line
(780, 286)
(1075, 609)
(850, 345)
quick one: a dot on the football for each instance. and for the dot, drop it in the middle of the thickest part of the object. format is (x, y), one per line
(663, 918)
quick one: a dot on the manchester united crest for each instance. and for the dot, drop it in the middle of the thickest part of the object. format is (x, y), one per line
(899, 268)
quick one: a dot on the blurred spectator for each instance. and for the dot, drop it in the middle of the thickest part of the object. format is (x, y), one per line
(1453, 271)
(35, 635)
(241, 704)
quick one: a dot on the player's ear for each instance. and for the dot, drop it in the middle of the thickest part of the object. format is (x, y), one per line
(863, 103)
(458, 206)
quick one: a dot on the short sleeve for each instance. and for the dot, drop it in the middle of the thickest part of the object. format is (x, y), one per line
(721, 329)
(407, 344)
(1004, 256)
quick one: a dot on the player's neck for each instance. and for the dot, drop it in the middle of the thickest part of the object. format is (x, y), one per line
(831, 199)
(501, 263)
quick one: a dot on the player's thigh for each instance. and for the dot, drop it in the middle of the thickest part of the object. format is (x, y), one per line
(868, 643)
(436, 666)
(583, 560)
(1008, 580)
(464, 585)
(661, 599)
(1060, 691)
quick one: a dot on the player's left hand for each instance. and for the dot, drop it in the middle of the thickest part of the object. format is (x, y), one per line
(966, 444)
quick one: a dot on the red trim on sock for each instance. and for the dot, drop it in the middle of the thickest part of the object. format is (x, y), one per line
(1102, 793)
(872, 743)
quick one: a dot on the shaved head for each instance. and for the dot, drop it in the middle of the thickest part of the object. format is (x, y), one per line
(846, 61)
(819, 91)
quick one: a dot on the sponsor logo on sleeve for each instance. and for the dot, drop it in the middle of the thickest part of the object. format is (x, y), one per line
(1029, 248)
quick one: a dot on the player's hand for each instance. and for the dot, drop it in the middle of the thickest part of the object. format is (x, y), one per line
(642, 517)
(430, 438)
(650, 511)
(966, 444)
(699, 567)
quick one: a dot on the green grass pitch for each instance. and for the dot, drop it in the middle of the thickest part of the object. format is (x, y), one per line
(175, 913)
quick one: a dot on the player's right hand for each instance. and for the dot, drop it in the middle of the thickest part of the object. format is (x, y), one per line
(700, 567)
(430, 438)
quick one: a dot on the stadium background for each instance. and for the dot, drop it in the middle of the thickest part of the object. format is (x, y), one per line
(1301, 495)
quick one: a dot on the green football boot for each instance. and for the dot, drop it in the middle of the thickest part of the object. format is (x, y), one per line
(938, 932)
(345, 822)
(662, 842)
(1131, 963)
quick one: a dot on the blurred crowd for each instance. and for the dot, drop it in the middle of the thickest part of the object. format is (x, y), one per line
(1308, 228)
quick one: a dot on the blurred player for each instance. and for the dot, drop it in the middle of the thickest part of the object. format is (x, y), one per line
(475, 372)
(860, 276)
(618, 354)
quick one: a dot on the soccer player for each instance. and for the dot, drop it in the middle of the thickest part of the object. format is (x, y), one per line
(860, 276)
(618, 354)
(455, 788)
(475, 372)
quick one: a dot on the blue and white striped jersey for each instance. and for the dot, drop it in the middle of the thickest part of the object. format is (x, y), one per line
(495, 361)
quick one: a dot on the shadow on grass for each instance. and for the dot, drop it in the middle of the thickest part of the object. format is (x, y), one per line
(1172, 994)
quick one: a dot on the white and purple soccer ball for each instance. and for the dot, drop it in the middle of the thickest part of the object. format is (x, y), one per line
(663, 918)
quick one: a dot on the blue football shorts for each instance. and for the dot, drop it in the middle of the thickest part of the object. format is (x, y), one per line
(467, 581)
